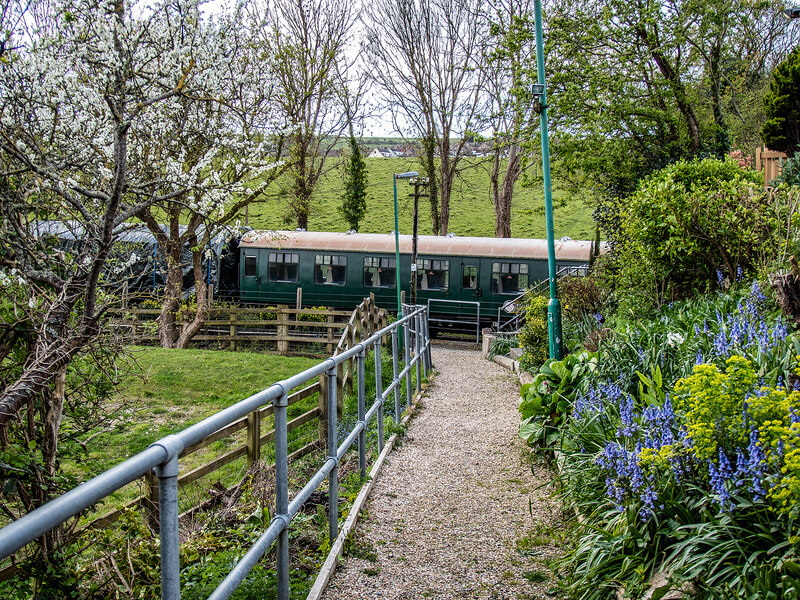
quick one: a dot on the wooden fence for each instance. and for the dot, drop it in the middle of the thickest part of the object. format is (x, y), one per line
(769, 162)
(366, 319)
(283, 329)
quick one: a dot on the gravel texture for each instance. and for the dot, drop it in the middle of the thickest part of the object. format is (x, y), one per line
(457, 511)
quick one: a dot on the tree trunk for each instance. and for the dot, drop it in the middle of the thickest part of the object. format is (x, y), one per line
(168, 330)
(201, 294)
(429, 163)
(503, 192)
(787, 289)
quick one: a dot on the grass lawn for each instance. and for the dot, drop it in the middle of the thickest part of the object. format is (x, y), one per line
(177, 388)
(471, 210)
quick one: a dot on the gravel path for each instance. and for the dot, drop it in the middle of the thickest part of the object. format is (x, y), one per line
(456, 512)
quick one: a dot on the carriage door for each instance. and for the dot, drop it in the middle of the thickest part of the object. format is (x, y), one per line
(470, 281)
(250, 271)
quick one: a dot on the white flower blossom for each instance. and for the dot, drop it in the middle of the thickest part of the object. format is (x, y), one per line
(674, 339)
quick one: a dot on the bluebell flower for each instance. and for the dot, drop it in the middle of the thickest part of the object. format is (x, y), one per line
(719, 474)
(699, 358)
(721, 344)
(756, 294)
(720, 278)
(756, 465)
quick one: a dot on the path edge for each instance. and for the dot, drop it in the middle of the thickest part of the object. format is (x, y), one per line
(332, 561)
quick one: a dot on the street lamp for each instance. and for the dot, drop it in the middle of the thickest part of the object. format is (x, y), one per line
(792, 12)
(540, 105)
(395, 177)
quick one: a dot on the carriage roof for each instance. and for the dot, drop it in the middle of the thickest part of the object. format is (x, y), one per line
(519, 248)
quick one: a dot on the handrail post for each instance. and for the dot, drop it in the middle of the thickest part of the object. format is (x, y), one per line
(282, 492)
(167, 474)
(428, 359)
(417, 353)
(407, 352)
(395, 374)
(362, 437)
(333, 442)
(379, 395)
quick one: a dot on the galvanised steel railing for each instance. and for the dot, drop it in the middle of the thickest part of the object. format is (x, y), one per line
(516, 307)
(162, 458)
(466, 320)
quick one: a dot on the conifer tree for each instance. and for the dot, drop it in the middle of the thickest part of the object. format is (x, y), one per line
(782, 106)
(354, 199)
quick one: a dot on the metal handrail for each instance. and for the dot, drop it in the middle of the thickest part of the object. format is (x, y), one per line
(520, 303)
(467, 302)
(162, 457)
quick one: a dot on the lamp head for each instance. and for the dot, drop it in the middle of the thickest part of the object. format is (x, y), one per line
(793, 12)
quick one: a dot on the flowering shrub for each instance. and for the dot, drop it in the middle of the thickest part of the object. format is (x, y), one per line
(682, 452)
(533, 336)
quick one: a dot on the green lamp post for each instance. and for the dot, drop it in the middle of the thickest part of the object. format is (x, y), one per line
(395, 177)
(540, 94)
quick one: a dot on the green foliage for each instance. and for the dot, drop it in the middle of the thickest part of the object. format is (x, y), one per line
(781, 131)
(790, 175)
(688, 222)
(580, 297)
(712, 404)
(546, 402)
(681, 453)
(354, 199)
(533, 336)
(502, 344)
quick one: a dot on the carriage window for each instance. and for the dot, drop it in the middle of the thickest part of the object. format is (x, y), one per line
(282, 266)
(470, 278)
(509, 278)
(250, 266)
(379, 272)
(330, 269)
(433, 274)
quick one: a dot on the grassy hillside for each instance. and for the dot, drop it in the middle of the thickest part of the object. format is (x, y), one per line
(471, 211)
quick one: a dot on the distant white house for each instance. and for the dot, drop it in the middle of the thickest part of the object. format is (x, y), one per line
(376, 153)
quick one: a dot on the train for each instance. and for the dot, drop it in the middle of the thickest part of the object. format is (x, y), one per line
(467, 278)
(470, 277)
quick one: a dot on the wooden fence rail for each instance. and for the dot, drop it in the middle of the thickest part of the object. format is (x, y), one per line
(306, 330)
(363, 322)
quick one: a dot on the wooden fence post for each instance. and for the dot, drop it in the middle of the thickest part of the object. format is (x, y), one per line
(283, 330)
(253, 438)
(331, 320)
(232, 344)
(150, 501)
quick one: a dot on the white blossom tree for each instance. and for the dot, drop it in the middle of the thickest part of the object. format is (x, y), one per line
(93, 96)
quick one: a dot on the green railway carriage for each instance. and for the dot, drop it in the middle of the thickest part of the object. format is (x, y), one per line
(340, 269)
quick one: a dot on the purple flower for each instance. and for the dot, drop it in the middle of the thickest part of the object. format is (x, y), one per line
(756, 465)
(719, 474)
(756, 294)
(721, 344)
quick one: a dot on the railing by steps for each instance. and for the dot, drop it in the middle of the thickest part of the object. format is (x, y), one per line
(514, 310)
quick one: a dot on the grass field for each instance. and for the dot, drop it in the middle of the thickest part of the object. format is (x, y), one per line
(177, 388)
(471, 211)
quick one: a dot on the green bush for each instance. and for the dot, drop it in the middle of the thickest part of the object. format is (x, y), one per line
(533, 336)
(691, 227)
(681, 450)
